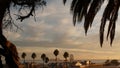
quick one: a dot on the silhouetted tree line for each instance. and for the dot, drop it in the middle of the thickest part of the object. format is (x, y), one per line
(44, 58)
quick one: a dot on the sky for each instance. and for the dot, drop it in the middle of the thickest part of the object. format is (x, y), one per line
(53, 29)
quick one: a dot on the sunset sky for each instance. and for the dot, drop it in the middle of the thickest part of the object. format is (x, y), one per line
(53, 29)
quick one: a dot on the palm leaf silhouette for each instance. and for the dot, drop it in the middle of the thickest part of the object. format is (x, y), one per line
(87, 10)
(64, 1)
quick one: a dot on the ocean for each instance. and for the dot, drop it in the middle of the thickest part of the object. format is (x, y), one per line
(98, 61)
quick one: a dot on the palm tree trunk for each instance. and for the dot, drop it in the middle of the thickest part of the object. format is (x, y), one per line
(66, 62)
(43, 64)
(24, 60)
(33, 60)
(56, 62)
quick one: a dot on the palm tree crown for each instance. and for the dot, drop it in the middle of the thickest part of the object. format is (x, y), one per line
(46, 60)
(56, 52)
(33, 56)
(23, 55)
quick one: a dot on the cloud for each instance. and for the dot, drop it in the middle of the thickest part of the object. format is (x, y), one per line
(54, 29)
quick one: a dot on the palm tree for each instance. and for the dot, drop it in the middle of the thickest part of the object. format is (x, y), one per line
(66, 55)
(43, 56)
(56, 52)
(6, 21)
(87, 10)
(23, 56)
(46, 60)
(33, 56)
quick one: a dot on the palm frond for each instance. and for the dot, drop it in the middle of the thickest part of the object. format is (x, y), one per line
(110, 14)
(106, 16)
(87, 9)
(64, 1)
(94, 8)
(79, 9)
